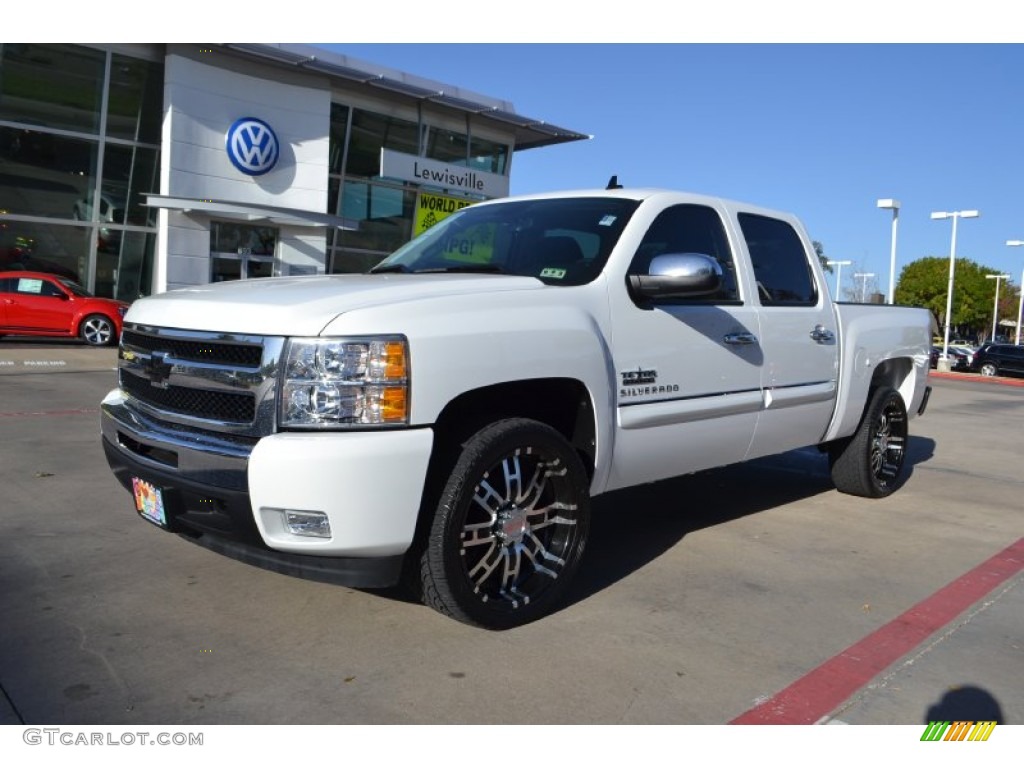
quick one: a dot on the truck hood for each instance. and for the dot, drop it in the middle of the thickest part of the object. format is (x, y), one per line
(303, 306)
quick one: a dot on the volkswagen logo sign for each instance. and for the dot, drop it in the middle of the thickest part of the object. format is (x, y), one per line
(252, 146)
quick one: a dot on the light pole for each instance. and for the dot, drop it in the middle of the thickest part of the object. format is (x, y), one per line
(863, 277)
(839, 273)
(995, 304)
(895, 206)
(1020, 308)
(943, 364)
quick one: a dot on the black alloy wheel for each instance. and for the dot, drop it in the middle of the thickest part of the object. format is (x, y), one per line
(510, 527)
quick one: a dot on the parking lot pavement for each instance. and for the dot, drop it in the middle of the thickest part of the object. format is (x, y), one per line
(23, 356)
(700, 598)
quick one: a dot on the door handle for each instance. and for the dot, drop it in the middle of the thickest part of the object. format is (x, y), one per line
(822, 335)
(740, 338)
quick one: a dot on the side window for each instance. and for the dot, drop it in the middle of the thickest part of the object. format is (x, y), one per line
(783, 275)
(34, 286)
(689, 229)
(6, 285)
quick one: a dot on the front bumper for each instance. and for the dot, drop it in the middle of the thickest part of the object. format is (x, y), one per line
(227, 493)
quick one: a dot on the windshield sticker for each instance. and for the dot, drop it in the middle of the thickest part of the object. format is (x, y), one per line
(553, 272)
(607, 220)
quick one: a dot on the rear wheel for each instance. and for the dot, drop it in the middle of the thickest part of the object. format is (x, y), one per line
(870, 463)
(510, 527)
(97, 331)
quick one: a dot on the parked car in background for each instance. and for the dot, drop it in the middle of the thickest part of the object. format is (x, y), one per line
(958, 360)
(43, 304)
(964, 356)
(999, 360)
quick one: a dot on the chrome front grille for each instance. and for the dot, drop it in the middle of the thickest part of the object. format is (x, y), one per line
(213, 381)
(245, 354)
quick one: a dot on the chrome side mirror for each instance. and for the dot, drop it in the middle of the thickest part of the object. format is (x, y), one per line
(678, 276)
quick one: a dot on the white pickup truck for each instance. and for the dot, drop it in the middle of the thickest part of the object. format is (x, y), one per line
(449, 416)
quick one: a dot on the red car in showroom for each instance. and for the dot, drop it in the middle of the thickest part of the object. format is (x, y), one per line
(41, 304)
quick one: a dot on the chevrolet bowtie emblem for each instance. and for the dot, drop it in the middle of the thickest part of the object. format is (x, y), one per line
(158, 369)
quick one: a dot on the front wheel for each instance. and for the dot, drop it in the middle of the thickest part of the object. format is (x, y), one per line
(870, 463)
(509, 529)
(988, 369)
(97, 331)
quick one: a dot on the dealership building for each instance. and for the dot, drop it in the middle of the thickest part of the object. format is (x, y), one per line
(135, 169)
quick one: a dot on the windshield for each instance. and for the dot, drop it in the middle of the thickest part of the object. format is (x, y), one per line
(75, 288)
(563, 241)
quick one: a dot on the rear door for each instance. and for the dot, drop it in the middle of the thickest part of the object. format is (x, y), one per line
(799, 334)
(1013, 360)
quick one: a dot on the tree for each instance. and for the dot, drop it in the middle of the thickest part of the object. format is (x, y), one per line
(819, 249)
(923, 283)
(861, 289)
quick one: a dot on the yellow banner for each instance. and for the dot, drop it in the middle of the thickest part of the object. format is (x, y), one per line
(431, 209)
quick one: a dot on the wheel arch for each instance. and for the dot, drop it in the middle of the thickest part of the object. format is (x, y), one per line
(897, 373)
(564, 404)
(904, 374)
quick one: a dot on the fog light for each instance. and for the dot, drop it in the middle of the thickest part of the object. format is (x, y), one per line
(307, 523)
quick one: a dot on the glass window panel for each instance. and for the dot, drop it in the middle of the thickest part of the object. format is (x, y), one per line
(59, 86)
(448, 146)
(242, 239)
(135, 103)
(339, 128)
(127, 273)
(780, 262)
(55, 248)
(385, 216)
(488, 156)
(370, 133)
(225, 268)
(333, 190)
(44, 175)
(259, 268)
(129, 174)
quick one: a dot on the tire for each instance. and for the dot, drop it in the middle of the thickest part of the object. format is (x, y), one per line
(97, 331)
(870, 463)
(509, 529)
(988, 369)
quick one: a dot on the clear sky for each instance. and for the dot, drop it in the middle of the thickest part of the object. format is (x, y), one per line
(822, 130)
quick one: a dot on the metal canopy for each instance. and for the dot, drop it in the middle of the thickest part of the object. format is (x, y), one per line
(250, 212)
(529, 133)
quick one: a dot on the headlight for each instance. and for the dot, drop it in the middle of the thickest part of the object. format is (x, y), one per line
(345, 382)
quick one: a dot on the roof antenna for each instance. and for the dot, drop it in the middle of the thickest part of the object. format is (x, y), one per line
(613, 183)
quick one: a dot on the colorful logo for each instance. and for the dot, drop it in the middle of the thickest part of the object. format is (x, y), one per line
(961, 730)
(252, 146)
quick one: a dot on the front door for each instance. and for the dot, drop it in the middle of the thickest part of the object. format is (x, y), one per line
(38, 304)
(241, 251)
(688, 371)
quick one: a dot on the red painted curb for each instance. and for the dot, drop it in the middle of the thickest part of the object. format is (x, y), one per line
(824, 689)
(1005, 381)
